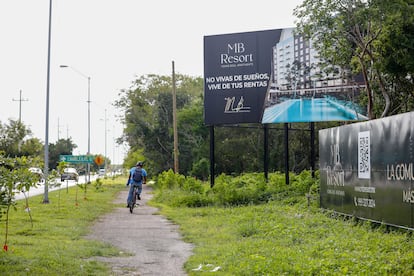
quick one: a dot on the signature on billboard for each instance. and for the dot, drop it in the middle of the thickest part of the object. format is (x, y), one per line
(231, 108)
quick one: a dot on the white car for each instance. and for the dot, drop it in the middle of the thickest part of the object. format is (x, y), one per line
(38, 172)
(101, 172)
(69, 174)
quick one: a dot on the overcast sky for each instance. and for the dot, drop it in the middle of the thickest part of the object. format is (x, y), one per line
(112, 42)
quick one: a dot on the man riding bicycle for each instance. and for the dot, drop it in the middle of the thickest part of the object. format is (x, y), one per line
(137, 177)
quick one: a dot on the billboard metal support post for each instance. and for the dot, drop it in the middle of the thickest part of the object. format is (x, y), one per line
(286, 153)
(312, 138)
(176, 153)
(266, 152)
(212, 161)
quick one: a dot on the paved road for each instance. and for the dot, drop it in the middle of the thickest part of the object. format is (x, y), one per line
(154, 241)
(40, 189)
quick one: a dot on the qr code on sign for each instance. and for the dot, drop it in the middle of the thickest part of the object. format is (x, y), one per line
(364, 166)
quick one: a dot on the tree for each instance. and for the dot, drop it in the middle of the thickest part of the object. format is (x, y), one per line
(15, 177)
(397, 48)
(32, 147)
(147, 108)
(15, 140)
(353, 34)
(193, 139)
(12, 137)
(61, 147)
(239, 149)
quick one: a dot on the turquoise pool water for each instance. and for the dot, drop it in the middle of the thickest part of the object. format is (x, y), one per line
(310, 110)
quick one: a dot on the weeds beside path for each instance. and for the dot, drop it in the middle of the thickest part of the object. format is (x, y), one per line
(153, 242)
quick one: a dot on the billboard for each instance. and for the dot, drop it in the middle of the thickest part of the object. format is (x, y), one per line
(273, 76)
(237, 71)
(367, 169)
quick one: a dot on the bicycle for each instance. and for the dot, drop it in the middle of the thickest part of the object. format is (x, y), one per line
(134, 199)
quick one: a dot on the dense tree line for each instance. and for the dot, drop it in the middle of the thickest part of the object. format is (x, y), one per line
(147, 109)
(16, 140)
(373, 38)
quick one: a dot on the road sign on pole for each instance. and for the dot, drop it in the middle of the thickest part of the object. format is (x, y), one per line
(99, 160)
(76, 158)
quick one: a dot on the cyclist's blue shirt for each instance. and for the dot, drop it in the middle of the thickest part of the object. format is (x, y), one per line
(131, 173)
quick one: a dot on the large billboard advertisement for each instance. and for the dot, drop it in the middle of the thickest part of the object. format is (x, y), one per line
(367, 171)
(273, 76)
(237, 69)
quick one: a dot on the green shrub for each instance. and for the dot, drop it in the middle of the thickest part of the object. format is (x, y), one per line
(193, 185)
(201, 169)
(169, 180)
(241, 190)
(251, 188)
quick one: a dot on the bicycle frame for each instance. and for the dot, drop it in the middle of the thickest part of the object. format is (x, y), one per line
(134, 199)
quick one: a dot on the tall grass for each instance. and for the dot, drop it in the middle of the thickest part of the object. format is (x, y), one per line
(245, 226)
(177, 190)
(55, 244)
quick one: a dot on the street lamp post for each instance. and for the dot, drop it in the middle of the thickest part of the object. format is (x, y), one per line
(46, 168)
(105, 120)
(89, 116)
(105, 143)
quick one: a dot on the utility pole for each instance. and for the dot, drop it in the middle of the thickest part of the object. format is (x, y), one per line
(175, 122)
(113, 145)
(20, 100)
(58, 130)
(106, 134)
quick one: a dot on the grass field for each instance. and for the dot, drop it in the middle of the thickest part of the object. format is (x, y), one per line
(54, 244)
(275, 231)
(275, 239)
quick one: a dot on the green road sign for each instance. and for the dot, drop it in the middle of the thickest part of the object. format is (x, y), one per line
(76, 158)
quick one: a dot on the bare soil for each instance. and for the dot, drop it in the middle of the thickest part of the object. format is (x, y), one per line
(150, 243)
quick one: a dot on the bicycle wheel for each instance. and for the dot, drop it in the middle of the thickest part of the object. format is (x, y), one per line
(134, 200)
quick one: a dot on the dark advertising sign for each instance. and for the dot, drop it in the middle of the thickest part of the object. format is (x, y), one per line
(367, 171)
(274, 76)
(237, 71)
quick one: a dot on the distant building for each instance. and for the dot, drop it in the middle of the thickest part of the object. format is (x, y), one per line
(296, 70)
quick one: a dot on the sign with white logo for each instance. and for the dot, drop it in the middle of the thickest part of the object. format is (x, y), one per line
(274, 76)
(237, 72)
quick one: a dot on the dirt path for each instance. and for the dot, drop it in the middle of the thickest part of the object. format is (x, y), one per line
(154, 241)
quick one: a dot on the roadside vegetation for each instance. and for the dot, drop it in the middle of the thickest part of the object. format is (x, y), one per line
(244, 226)
(241, 226)
(53, 242)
